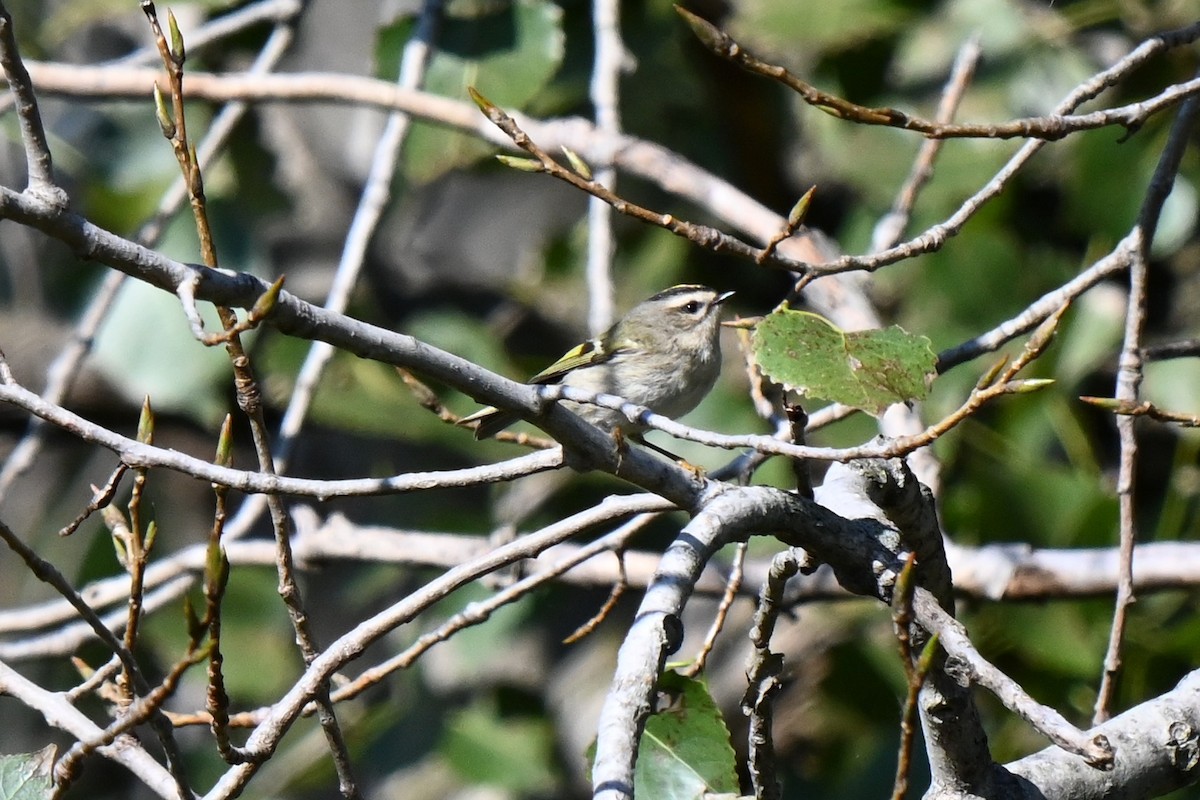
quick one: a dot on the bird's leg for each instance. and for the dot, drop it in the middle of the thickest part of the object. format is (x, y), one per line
(683, 462)
(622, 446)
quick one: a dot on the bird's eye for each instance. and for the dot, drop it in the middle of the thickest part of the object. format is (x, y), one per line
(691, 307)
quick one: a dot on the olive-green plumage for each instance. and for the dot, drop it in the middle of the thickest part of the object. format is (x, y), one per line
(664, 354)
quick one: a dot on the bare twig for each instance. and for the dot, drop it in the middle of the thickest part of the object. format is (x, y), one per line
(60, 713)
(428, 400)
(283, 713)
(615, 593)
(134, 453)
(63, 370)
(475, 614)
(46, 572)
(1129, 378)
(763, 675)
(1186, 348)
(1131, 117)
(890, 230)
(636, 156)
(33, 134)
(953, 637)
(608, 63)
(702, 235)
(1143, 409)
(100, 498)
(1118, 259)
(914, 672)
(137, 713)
(732, 587)
(248, 394)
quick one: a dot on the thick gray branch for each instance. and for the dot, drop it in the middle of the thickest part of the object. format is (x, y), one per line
(1157, 751)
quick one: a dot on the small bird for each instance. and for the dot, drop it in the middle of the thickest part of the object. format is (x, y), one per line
(664, 354)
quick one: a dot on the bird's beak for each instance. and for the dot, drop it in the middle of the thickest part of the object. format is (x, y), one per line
(721, 298)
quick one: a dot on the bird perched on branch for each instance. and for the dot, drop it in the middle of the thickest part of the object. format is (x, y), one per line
(664, 354)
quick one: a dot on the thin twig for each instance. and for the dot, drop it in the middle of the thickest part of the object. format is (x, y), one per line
(267, 735)
(1096, 750)
(995, 572)
(763, 675)
(889, 231)
(428, 399)
(373, 200)
(1131, 117)
(901, 620)
(248, 394)
(101, 496)
(732, 587)
(61, 714)
(633, 155)
(137, 713)
(46, 572)
(475, 614)
(702, 235)
(1129, 378)
(1036, 312)
(1185, 348)
(1143, 409)
(614, 595)
(33, 133)
(608, 63)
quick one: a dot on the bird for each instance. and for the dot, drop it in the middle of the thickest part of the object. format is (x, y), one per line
(665, 354)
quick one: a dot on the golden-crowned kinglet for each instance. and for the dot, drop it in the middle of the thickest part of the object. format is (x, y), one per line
(664, 354)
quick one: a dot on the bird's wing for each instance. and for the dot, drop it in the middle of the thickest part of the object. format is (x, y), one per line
(590, 352)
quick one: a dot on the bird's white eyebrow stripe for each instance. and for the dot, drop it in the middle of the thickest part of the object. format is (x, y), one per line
(682, 290)
(683, 299)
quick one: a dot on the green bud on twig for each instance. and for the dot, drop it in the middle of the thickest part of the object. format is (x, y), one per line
(225, 443)
(926, 659)
(705, 31)
(800, 210)
(216, 568)
(986, 378)
(177, 50)
(151, 535)
(903, 591)
(484, 104)
(82, 667)
(266, 301)
(1027, 385)
(577, 163)
(162, 114)
(1106, 403)
(119, 549)
(195, 178)
(523, 164)
(1045, 332)
(195, 628)
(145, 430)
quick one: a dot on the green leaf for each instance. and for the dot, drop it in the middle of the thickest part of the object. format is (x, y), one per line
(508, 51)
(27, 776)
(146, 347)
(774, 26)
(516, 753)
(870, 370)
(685, 751)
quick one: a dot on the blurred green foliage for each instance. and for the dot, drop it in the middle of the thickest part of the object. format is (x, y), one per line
(1035, 468)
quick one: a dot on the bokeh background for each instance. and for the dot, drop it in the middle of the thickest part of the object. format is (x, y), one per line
(487, 263)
